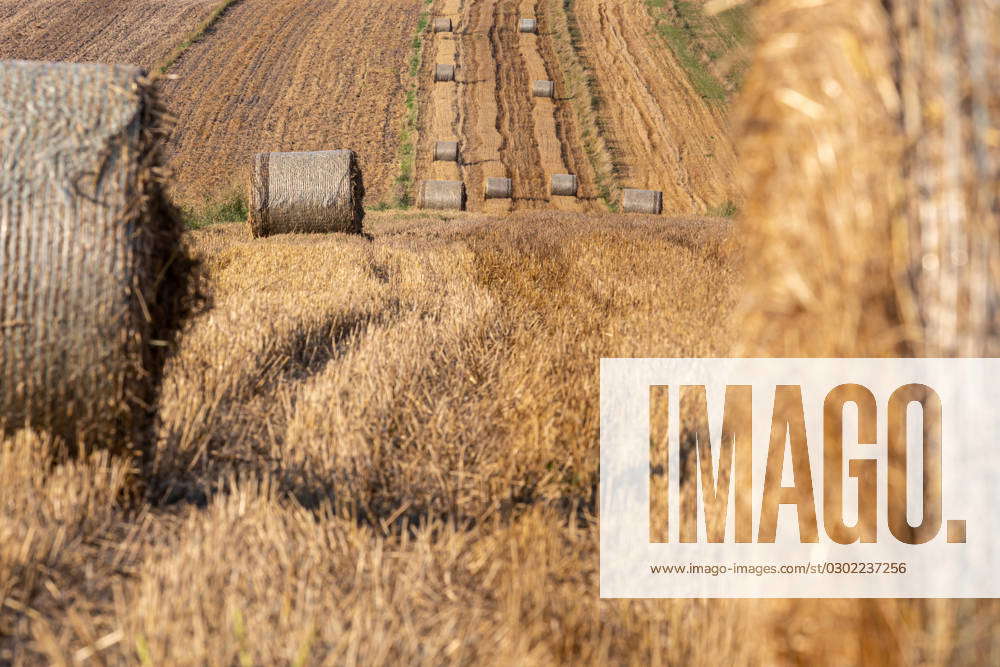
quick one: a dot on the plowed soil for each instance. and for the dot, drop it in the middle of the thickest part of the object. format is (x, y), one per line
(135, 32)
(287, 75)
(670, 139)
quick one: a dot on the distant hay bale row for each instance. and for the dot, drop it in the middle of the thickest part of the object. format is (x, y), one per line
(543, 89)
(444, 72)
(868, 133)
(442, 24)
(441, 195)
(642, 201)
(498, 188)
(307, 192)
(446, 151)
(528, 25)
(93, 280)
(564, 185)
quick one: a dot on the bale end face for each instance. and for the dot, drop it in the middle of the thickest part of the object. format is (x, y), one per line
(442, 24)
(564, 185)
(444, 73)
(642, 201)
(441, 195)
(446, 151)
(498, 188)
(306, 192)
(543, 89)
(528, 25)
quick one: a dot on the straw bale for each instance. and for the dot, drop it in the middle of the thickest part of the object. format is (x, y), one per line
(94, 281)
(543, 89)
(498, 188)
(444, 72)
(441, 195)
(868, 137)
(528, 25)
(442, 24)
(307, 192)
(642, 201)
(564, 185)
(446, 151)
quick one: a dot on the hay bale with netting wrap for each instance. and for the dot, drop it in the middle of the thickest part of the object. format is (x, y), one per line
(94, 281)
(565, 185)
(498, 188)
(444, 73)
(442, 24)
(543, 89)
(309, 192)
(642, 201)
(441, 195)
(446, 151)
(528, 25)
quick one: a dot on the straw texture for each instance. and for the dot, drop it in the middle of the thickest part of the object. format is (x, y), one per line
(444, 72)
(543, 89)
(442, 24)
(498, 188)
(564, 185)
(446, 151)
(528, 25)
(869, 142)
(93, 279)
(310, 192)
(441, 195)
(642, 201)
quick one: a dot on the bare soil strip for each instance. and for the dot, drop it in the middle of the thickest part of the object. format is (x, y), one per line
(670, 138)
(479, 125)
(287, 75)
(443, 112)
(135, 32)
(547, 137)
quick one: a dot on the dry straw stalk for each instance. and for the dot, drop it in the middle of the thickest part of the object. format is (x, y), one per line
(310, 192)
(93, 280)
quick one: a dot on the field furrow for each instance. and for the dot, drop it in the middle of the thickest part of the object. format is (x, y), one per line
(288, 75)
(669, 138)
(135, 32)
(479, 129)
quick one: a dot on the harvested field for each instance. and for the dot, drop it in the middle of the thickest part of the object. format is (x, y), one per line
(134, 32)
(665, 136)
(287, 75)
(386, 455)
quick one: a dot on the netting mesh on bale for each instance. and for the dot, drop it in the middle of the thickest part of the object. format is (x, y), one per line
(308, 192)
(93, 277)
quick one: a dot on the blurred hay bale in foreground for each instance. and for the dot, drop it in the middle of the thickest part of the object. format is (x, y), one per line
(308, 192)
(869, 138)
(93, 280)
(868, 132)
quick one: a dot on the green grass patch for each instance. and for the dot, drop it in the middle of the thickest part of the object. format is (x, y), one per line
(410, 130)
(214, 211)
(709, 48)
(196, 35)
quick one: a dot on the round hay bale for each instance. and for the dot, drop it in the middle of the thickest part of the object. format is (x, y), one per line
(528, 25)
(564, 185)
(499, 188)
(444, 72)
(442, 24)
(94, 281)
(441, 195)
(642, 201)
(446, 151)
(309, 192)
(543, 89)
